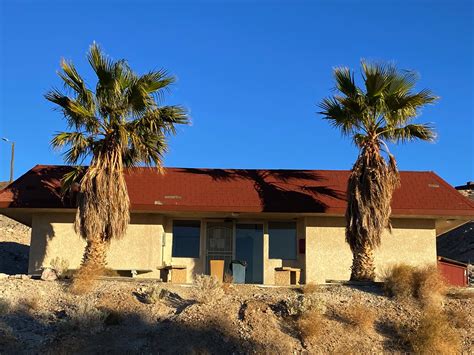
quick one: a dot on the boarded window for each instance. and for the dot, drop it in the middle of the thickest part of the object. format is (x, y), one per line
(282, 240)
(186, 239)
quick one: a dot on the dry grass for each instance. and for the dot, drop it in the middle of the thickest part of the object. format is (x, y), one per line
(227, 284)
(398, 281)
(423, 283)
(311, 324)
(429, 286)
(458, 318)
(310, 288)
(30, 304)
(434, 334)
(85, 279)
(85, 317)
(361, 317)
(207, 289)
(297, 306)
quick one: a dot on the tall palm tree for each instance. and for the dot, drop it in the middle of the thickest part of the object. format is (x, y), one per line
(118, 124)
(379, 112)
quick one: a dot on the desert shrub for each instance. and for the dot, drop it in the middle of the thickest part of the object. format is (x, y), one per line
(154, 294)
(61, 266)
(360, 316)
(434, 334)
(311, 324)
(423, 283)
(310, 288)
(399, 281)
(429, 286)
(85, 279)
(458, 318)
(207, 288)
(301, 304)
(5, 306)
(29, 304)
(85, 317)
(227, 284)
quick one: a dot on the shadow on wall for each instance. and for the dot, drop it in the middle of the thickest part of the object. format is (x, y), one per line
(14, 258)
(280, 190)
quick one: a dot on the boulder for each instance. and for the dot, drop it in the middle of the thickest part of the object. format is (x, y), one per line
(49, 274)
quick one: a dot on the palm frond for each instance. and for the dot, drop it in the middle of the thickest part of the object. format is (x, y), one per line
(338, 115)
(76, 113)
(79, 145)
(345, 81)
(410, 132)
(376, 78)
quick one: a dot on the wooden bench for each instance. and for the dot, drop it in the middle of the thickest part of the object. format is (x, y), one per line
(285, 276)
(176, 274)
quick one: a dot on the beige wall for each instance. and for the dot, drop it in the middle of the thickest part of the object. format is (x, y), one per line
(328, 257)
(53, 236)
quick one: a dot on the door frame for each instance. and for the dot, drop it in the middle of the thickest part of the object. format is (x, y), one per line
(234, 222)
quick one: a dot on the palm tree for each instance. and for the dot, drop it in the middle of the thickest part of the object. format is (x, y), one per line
(118, 125)
(381, 111)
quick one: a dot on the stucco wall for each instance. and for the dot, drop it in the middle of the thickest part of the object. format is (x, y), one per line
(53, 236)
(328, 257)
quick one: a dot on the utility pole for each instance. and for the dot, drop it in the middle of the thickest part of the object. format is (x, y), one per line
(12, 159)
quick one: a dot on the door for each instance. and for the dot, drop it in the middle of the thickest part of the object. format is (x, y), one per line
(219, 243)
(249, 248)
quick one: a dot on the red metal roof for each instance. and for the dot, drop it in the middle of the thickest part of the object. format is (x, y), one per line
(242, 190)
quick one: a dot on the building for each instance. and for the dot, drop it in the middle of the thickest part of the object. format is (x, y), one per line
(272, 219)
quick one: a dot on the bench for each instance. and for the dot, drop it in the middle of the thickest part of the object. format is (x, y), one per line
(133, 272)
(285, 276)
(176, 274)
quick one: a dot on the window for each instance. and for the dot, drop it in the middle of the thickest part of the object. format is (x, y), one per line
(186, 239)
(282, 239)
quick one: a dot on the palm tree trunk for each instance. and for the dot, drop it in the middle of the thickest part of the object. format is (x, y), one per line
(363, 268)
(95, 253)
(93, 265)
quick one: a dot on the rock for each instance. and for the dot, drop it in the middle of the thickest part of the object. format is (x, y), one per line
(3, 276)
(49, 274)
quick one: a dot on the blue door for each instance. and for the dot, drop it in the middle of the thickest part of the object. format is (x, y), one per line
(249, 248)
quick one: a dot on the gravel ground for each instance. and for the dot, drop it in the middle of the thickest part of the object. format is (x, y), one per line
(43, 317)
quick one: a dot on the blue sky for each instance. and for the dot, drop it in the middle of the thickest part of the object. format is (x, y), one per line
(250, 73)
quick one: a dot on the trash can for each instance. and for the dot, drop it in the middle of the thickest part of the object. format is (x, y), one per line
(238, 271)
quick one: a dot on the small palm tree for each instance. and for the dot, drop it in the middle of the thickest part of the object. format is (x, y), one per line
(118, 125)
(379, 112)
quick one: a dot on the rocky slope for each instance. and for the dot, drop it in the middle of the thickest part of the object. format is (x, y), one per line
(14, 246)
(118, 317)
